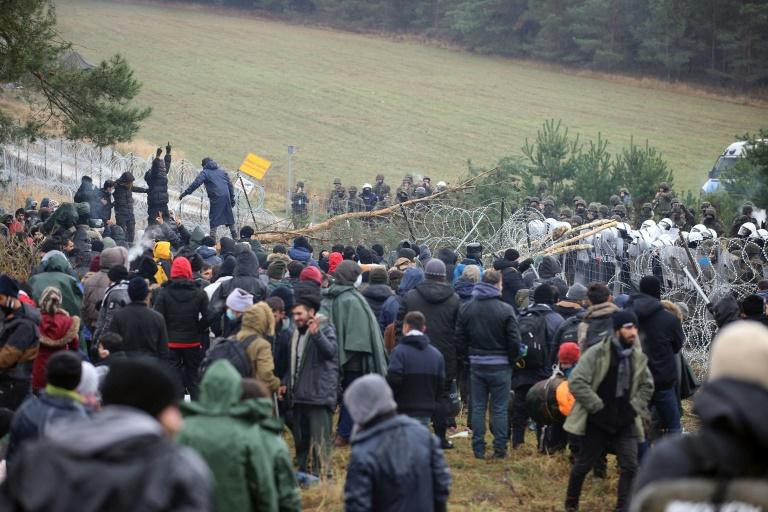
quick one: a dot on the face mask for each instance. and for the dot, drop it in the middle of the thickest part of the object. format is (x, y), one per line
(231, 315)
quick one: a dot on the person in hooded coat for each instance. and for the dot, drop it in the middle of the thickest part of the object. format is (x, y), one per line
(157, 183)
(378, 291)
(184, 307)
(221, 195)
(241, 455)
(57, 274)
(245, 277)
(730, 442)
(123, 202)
(390, 308)
(302, 251)
(360, 343)
(97, 284)
(258, 323)
(512, 279)
(58, 331)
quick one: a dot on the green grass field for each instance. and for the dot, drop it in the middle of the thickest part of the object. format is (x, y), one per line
(355, 105)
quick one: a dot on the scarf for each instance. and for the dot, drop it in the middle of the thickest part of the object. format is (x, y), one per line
(625, 367)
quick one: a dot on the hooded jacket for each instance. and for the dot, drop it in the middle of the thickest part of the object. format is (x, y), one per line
(257, 324)
(208, 254)
(511, 279)
(396, 465)
(97, 284)
(596, 325)
(416, 375)
(391, 306)
(143, 330)
(440, 305)
(57, 332)
(731, 442)
(662, 338)
(125, 449)
(376, 295)
(356, 328)
(464, 289)
(57, 274)
(315, 379)
(221, 194)
(123, 198)
(250, 464)
(157, 181)
(184, 307)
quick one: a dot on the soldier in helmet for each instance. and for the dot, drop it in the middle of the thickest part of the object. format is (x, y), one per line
(704, 205)
(420, 192)
(404, 191)
(663, 200)
(426, 183)
(380, 188)
(533, 202)
(354, 202)
(710, 220)
(368, 197)
(565, 214)
(614, 200)
(299, 204)
(441, 185)
(646, 213)
(744, 217)
(603, 212)
(579, 207)
(626, 200)
(621, 211)
(682, 216)
(337, 203)
(592, 212)
(549, 210)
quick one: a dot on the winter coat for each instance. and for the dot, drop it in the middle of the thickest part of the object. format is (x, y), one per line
(357, 331)
(208, 254)
(19, 340)
(143, 330)
(36, 415)
(303, 255)
(729, 444)
(590, 372)
(121, 456)
(597, 324)
(102, 208)
(511, 279)
(122, 198)
(416, 375)
(56, 274)
(157, 183)
(96, 285)
(440, 305)
(184, 307)
(487, 326)
(258, 323)
(241, 455)
(85, 194)
(396, 465)
(391, 306)
(316, 379)
(57, 332)
(246, 277)
(115, 297)
(376, 295)
(221, 194)
(661, 335)
(281, 348)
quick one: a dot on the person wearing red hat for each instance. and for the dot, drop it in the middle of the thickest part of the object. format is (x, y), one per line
(185, 309)
(568, 356)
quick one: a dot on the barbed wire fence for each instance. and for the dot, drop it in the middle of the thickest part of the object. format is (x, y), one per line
(56, 166)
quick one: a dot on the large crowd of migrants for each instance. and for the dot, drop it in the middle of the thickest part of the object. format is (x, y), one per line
(165, 373)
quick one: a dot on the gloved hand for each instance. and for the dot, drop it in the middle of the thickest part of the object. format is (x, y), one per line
(182, 196)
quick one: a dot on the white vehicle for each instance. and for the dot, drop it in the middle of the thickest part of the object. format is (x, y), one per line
(728, 159)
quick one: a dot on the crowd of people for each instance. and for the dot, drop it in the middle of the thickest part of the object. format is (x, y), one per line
(173, 370)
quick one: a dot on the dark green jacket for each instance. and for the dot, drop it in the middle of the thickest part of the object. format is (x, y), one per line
(56, 274)
(249, 462)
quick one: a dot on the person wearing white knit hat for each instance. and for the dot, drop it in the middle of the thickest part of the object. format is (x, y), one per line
(731, 444)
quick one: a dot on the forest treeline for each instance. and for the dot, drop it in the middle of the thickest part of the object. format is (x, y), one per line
(719, 42)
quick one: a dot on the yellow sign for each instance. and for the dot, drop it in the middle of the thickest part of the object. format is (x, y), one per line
(255, 166)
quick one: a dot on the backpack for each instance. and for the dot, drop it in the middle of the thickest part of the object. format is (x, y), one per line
(233, 351)
(568, 331)
(597, 330)
(533, 334)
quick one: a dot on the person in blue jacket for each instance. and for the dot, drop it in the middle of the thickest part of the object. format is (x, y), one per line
(221, 195)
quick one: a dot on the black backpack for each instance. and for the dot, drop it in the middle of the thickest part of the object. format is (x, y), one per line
(233, 351)
(533, 333)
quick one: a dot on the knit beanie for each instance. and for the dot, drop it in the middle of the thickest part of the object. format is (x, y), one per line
(64, 369)
(286, 294)
(138, 289)
(347, 273)
(117, 273)
(301, 241)
(276, 270)
(434, 270)
(511, 255)
(544, 294)
(623, 317)
(309, 300)
(577, 291)
(368, 397)
(568, 353)
(227, 245)
(294, 269)
(239, 300)
(740, 352)
(181, 268)
(153, 392)
(8, 286)
(311, 274)
(333, 261)
(108, 242)
(377, 275)
(650, 285)
(97, 245)
(406, 253)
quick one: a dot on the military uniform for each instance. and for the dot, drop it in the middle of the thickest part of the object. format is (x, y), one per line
(337, 202)
(299, 207)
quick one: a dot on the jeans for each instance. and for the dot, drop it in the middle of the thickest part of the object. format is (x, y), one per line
(593, 446)
(344, 427)
(493, 381)
(186, 365)
(665, 406)
(312, 434)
